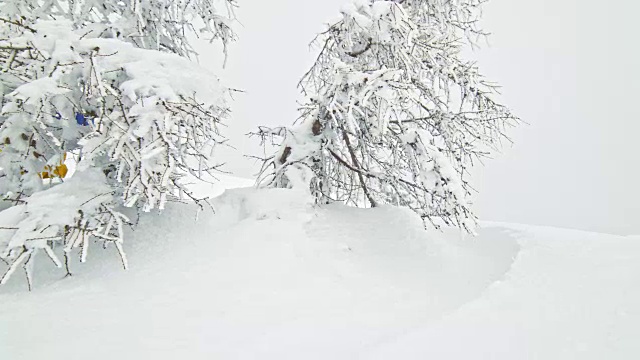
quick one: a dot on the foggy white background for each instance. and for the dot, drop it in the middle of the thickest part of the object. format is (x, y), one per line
(568, 68)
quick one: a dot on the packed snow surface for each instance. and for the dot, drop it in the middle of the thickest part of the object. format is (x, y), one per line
(269, 276)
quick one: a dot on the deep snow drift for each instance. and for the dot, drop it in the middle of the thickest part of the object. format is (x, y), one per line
(271, 277)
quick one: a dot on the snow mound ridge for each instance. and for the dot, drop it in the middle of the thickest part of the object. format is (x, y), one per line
(568, 295)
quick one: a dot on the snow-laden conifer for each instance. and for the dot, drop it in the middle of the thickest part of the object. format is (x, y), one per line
(394, 114)
(109, 87)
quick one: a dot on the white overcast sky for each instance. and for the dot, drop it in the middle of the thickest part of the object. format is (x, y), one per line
(568, 68)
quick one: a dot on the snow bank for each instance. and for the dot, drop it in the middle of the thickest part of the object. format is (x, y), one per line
(271, 277)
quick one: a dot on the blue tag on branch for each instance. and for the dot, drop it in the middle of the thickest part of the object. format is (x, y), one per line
(81, 120)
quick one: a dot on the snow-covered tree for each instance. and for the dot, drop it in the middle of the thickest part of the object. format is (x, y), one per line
(109, 83)
(394, 114)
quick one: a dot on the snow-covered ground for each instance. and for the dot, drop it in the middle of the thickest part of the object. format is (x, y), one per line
(270, 277)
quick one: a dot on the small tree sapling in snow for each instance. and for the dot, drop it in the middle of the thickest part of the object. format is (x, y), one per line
(394, 114)
(109, 83)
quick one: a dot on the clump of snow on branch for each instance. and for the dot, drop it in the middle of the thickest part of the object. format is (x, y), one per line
(393, 114)
(69, 214)
(109, 84)
(157, 25)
